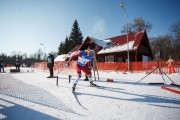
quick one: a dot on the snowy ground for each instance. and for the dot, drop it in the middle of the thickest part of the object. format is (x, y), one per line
(31, 96)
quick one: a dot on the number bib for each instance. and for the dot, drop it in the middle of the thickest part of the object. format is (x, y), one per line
(2, 64)
(49, 60)
(82, 60)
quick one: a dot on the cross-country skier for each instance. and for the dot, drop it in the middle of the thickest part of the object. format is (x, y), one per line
(50, 64)
(83, 57)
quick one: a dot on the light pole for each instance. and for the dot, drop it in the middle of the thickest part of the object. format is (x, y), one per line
(44, 50)
(122, 6)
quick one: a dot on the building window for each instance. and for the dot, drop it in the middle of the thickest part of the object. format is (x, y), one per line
(109, 58)
(119, 59)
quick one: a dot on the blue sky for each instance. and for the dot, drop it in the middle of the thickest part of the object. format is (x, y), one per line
(24, 24)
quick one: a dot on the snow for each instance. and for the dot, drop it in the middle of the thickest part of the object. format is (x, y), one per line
(118, 48)
(30, 95)
(102, 43)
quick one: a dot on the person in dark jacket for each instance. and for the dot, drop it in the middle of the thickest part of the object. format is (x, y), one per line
(50, 64)
(1, 65)
(17, 64)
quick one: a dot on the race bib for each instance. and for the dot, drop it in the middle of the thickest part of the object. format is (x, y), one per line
(82, 60)
(49, 60)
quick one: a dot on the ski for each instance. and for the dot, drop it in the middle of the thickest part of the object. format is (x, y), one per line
(75, 96)
(52, 77)
(94, 85)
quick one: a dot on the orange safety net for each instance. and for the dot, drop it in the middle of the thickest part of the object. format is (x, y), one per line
(117, 66)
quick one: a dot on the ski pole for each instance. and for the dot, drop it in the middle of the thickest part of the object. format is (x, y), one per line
(57, 81)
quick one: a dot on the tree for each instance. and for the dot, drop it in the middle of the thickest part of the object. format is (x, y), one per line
(75, 37)
(60, 49)
(66, 45)
(139, 24)
(175, 34)
(40, 54)
(162, 44)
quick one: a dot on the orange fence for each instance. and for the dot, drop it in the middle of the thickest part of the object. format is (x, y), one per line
(116, 66)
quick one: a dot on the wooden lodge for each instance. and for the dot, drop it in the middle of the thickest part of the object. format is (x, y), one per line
(115, 49)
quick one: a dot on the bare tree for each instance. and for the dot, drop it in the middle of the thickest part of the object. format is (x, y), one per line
(39, 54)
(129, 29)
(162, 44)
(175, 33)
(138, 24)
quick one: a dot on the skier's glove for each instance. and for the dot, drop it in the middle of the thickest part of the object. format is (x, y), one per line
(67, 65)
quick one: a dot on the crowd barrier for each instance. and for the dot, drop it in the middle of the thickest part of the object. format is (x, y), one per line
(116, 66)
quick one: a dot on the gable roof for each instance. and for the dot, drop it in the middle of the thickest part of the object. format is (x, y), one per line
(114, 44)
(90, 41)
(102, 43)
(119, 43)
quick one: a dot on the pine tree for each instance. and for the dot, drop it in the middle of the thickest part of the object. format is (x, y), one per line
(60, 49)
(76, 37)
(66, 45)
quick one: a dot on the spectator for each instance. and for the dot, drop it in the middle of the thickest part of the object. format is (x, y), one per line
(17, 64)
(50, 64)
(2, 65)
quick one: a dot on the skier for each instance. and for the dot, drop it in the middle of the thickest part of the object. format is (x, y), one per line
(2, 65)
(50, 64)
(170, 65)
(84, 57)
(17, 64)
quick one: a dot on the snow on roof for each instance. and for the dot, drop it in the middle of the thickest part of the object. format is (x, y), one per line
(102, 43)
(118, 48)
(61, 57)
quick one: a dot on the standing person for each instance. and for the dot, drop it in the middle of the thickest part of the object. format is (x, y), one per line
(1, 65)
(84, 57)
(17, 64)
(50, 64)
(170, 63)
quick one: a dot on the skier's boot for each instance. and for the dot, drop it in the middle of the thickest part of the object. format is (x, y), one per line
(86, 78)
(73, 88)
(93, 85)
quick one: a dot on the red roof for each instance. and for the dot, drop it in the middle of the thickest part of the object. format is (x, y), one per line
(135, 36)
